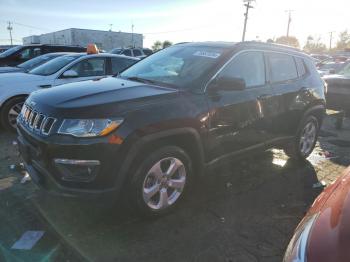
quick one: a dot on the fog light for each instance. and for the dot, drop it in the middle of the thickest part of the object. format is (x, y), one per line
(77, 170)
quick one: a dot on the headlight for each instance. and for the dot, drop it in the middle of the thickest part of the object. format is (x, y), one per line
(88, 127)
(296, 251)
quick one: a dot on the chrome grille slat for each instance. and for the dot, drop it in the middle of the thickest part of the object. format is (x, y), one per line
(36, 120)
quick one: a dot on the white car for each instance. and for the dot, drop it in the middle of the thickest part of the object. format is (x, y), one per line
(15, 87)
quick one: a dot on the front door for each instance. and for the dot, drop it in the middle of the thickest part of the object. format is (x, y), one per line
(87, 69)
(239, 118)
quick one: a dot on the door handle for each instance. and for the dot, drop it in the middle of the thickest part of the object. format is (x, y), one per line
(45, 86)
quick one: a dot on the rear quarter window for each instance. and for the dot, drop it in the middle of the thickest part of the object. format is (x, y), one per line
(300, 66)
(282, 67)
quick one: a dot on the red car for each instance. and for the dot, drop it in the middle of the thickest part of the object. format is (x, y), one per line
(324, 233)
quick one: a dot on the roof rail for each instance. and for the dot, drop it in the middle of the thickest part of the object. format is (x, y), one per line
(270, 45)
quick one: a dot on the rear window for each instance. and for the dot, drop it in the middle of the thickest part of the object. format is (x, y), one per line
(282, 67)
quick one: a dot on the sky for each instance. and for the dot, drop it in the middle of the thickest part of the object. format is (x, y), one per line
(178, 20)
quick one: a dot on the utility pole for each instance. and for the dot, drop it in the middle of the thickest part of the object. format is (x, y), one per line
(9, 27)
(110, 27)
(132, 35)
(289, 20)
(248, 6)
(330, 39)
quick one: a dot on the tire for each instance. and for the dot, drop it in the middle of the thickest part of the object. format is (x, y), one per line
(10, 111)
(150, 190)
(305, 140)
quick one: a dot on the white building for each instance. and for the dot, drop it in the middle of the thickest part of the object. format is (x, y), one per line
(105, 40)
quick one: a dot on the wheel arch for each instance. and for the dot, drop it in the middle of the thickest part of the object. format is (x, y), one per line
(186, 138)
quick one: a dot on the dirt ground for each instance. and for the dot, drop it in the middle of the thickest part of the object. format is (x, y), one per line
(246, 211)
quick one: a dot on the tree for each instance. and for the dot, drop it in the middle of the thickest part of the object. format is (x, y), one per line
(344, 40)
(314, 46)
(288, 40)
(167, 43)
(157, 45)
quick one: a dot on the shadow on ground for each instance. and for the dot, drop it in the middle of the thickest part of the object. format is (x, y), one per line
(246, 211)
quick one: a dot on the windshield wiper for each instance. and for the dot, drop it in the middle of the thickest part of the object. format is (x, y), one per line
(142, 80)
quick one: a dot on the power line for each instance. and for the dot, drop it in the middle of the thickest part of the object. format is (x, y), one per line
(28, 26)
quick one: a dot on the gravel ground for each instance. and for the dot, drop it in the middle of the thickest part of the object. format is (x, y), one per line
(246, 211)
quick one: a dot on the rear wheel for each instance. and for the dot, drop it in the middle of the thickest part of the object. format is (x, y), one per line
(161, 180)
(10, 111)
(305, 140)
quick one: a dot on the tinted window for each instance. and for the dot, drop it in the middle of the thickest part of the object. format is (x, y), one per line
(137, 52)
(119, 64)
(282, 67)
(90, 67)
(301, 66)
(249, 66)
(127, 52)
(26, 53)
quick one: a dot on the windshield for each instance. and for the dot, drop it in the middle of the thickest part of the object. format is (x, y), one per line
(10, 51)
(53, 66)
(30, 64)
(180, 66)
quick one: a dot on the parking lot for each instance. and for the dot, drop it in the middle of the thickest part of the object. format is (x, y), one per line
(246, 211)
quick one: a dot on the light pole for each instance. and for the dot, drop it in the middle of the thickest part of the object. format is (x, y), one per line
(247, 4)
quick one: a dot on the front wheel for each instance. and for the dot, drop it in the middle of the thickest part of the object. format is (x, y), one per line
(161, 180)
(305, 140)
(10, 111)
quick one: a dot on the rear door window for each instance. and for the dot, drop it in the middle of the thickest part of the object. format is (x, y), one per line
(137, 52)
(127, 52)
(119, 64)
(282, 67)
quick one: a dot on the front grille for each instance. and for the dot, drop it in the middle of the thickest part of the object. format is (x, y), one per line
(36, 120)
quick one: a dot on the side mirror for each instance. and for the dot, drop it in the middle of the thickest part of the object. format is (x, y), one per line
(70, 74)
(229, 84)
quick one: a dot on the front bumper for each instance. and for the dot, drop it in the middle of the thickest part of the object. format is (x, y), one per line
(46, 163)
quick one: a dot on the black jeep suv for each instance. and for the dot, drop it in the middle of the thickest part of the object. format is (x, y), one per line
(164, 121)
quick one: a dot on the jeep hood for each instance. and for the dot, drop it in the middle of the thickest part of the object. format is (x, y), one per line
(98, 98)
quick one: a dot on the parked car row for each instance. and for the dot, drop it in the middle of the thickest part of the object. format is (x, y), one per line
(50, 70)
(134, 52)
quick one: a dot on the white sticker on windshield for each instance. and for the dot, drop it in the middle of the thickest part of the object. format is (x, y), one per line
(207, 54)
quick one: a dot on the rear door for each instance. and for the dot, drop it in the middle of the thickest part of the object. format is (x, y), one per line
(239, 119)
(286, 83)
(86, 69)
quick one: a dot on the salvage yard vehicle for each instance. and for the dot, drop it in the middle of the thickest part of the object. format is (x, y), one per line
(153, 130)
(15, 87)
(22, 53)
(323, 234)
(135, 52)
(338, 90)
(30, 64)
